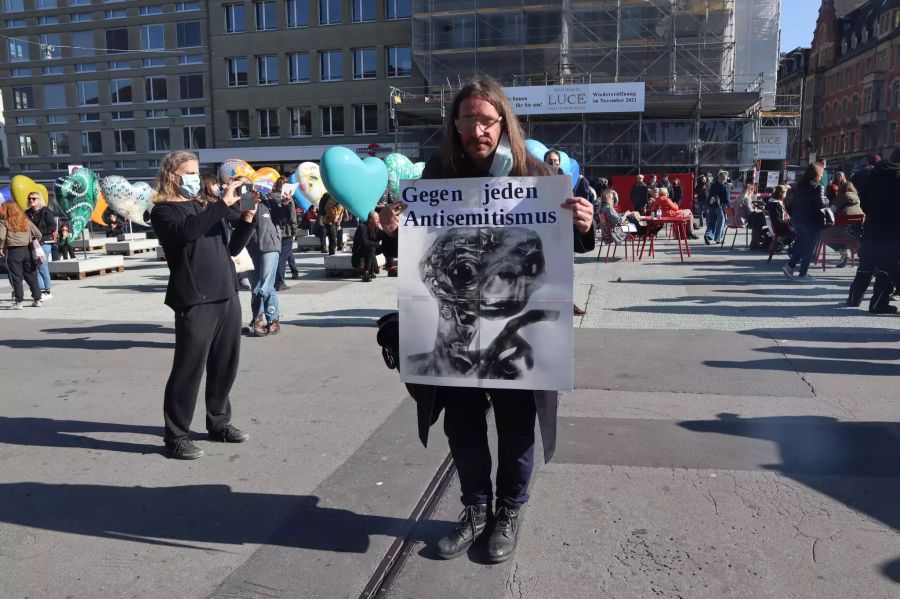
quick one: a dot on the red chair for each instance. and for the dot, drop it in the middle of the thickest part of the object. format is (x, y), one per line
(732, 222)
(841, 220)
(606, 236)
(775, 237)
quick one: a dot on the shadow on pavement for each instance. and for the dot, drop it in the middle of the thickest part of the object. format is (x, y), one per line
(115, 329)
(756, 311)
(891, 570)
(827, 335)
(183, 516)
(827, 455)
(854, 367)
(46, 432)
(83, 343)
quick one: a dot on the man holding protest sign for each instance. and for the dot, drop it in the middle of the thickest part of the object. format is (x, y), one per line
(486, 258)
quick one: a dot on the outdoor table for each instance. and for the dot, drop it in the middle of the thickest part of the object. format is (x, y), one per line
(679, 225)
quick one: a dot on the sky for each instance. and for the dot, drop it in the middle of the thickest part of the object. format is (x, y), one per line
(798, 21)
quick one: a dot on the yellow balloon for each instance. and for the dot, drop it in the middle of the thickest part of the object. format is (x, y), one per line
(99, 209)
(21, 186)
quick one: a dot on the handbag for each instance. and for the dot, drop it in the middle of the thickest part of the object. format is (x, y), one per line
(37, 252)
(827, 218)
(243, 262)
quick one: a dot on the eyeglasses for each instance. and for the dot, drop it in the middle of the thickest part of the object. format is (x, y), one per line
(470, 122)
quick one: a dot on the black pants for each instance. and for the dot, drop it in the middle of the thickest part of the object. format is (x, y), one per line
(465, 424)
(66, 251)
(864, 272)
(368, 258)
(285, 257)
(206, 336)
(887, 273)
(390, 251)
(332, 232)
(21, 267)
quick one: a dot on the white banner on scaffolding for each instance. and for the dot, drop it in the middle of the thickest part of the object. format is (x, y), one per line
(577, 98)
(772, 143)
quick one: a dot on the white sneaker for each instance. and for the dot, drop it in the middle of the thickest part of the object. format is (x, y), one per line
(37, 304)
(806, 277)
(16, 306)
(46, 295)
(788, 271)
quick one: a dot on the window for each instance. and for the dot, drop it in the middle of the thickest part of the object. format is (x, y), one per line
(123, 115)
(237, 72)
(120, 91)
(193, 111)
(188, 34)
(892, 134)
(235, 18)
(855, 107)
(845, 114)
(268, 122)
(21, 73)
(54, 95)
(116, 40)
(267, 69)
(82, 43)
(23, 98)
(186, 6)
(91, 142)
(79, 2)
(118, 65)
(19, 51)
(835, 110)
(13, 5)
(331, 65)
(87, 117)
(298, 67)
(364, 66)
(158, 139)
(157, 113)
(190, 59)
(152, 37)
(239, 122)
(52, 70)
(195, 137)
(191, 86)
(125, 164)
(45, 4)
(88, 94)
(150, 10)
(51, 46)
(118, 13)
(155, 89)
(265, 16)
(867, 99)
(59, 143)
(297, 13)
(332, 120)
(26, 120)
(399, 61)
(153, 62)
(365, 119)
(124, 140)
(896, 94)
(398, 9)
(48, 20)
(363, 10)
(329, 12)
(27, 146)
(301, 122)
(826, 116)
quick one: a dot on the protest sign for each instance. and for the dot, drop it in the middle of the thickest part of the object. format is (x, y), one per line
(486, 285)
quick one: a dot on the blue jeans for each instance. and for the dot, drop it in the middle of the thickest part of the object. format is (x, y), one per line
(43, 271)
(715, 223)
(265, 300)
(805, 245)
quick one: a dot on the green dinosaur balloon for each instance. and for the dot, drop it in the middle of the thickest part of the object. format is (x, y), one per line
(399, 167)
(77, 196)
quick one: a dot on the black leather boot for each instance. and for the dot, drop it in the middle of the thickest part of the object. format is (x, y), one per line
(472, 522)
(504, 535)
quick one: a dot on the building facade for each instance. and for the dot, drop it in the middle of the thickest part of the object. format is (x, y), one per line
(790, 92)
(855, 74)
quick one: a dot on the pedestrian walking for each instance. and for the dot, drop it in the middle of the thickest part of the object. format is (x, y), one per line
(805, 204)
(16, 235)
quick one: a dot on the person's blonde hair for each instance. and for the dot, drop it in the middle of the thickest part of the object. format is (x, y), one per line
(41, 202)
(608, 197)
(722, 176)
(167, 182)
(487, 88)
(663, 191)
(779, 192)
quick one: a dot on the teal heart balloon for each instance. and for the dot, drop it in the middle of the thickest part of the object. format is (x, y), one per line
(399, 167)
(536, 148)
(420, 168)
(356, 184)
(76, 194)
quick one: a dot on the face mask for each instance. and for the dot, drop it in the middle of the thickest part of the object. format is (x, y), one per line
(503, 160)
(190, 185)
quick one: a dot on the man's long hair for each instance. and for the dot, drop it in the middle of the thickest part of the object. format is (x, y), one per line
(487, 88)
(167, 182)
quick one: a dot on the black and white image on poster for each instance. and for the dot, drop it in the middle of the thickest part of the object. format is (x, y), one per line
(486, 286)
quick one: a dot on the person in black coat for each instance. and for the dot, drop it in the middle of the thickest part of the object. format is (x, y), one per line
(482, 138)
(805, 203)
(366, 247)
(640, 195)
(203, 293)
(43, 219)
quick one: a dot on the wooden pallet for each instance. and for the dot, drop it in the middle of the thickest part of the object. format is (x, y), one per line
(88, 273)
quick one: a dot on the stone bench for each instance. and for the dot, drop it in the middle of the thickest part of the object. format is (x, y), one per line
(79, 269)
(129, 248)
(308, 244)
(92, 243)
(131, 236)
(340, 265)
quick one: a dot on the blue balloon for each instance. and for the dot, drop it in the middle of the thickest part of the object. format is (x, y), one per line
(576, 172)
(536, 148)
(298, 197)
(7, 196)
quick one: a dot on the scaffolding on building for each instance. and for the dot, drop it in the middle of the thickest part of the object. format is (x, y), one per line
(682, 50)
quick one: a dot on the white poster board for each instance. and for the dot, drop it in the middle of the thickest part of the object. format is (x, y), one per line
(486, 291)
(772, 143)
(577, 98)
(772, 179)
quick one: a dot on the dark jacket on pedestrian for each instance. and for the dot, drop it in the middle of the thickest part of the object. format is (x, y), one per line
(880, 200)
(193, 238)
(265, 236)
(44, 221)
(701, 190)
(805, 203)
(639, 196)
(284, 216)
(719, 194)
(365, 240)
(428, 404)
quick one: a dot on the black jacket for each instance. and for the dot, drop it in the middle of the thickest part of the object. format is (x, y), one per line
(640, 195)
(880, 200)
(44, 221)
(428, 402)
(805, 203)
(364, 241)
(193, 238)
(284, 216)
